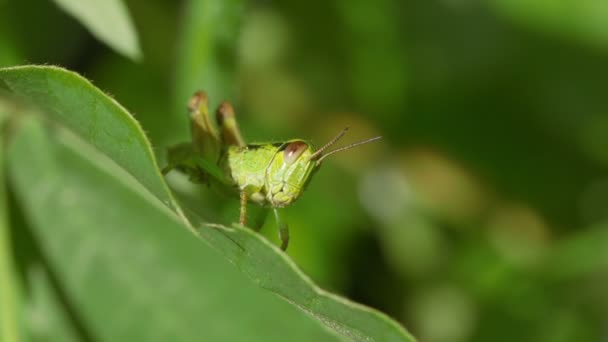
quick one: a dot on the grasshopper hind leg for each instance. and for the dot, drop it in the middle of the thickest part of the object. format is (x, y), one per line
(229, 128)
(205, 138)
(258, 216)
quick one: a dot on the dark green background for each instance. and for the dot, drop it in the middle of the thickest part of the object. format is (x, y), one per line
(480, 216)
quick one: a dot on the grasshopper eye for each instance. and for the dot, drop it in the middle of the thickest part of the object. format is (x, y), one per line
(293, 151)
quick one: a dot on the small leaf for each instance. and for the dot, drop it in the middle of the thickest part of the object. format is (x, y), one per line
(108, 21)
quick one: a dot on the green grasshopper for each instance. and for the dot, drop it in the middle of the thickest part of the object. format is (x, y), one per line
(272, 175)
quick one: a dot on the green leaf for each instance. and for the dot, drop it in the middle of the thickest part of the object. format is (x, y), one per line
(253, 255)
(130, 270)
(74, 102)
(26, 283)
(48, 317)
(108, 21)
(10, 311)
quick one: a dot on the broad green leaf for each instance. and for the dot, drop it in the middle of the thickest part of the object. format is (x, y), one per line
(130, 270)
(47, 317)
(253, 255)
(108, 21)
(74, 102)
(206, 56)
(10, 310)
(32, 303)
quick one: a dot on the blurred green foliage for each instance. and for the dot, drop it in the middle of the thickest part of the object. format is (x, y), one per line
(109, 21)
(481, 216)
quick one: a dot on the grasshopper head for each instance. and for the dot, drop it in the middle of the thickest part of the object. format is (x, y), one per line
(290, 171)
(294, 165)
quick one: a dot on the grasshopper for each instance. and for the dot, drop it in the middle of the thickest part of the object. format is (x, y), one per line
(272, 175)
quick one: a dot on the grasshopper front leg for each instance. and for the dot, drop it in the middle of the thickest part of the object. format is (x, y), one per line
(243, 216)
(259, 216)
(283, 230)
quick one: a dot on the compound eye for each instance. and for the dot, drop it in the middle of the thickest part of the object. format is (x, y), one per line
(293, 151)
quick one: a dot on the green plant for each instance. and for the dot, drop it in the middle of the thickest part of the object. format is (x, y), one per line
(481, 215)
(113, 240)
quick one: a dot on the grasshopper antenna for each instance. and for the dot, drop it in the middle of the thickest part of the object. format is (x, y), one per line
(319, 152)
(348, 147)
